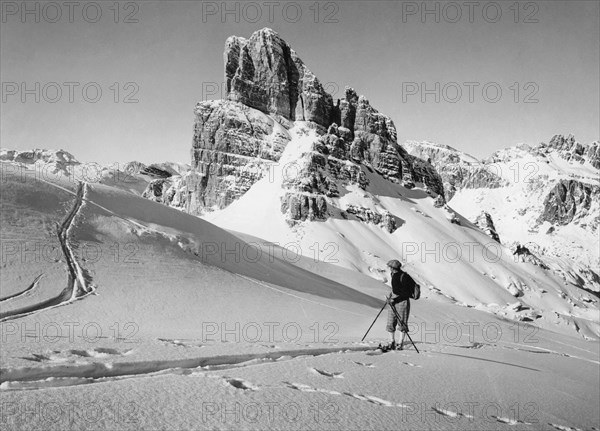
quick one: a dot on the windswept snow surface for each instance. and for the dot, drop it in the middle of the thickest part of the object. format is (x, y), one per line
(189, 326)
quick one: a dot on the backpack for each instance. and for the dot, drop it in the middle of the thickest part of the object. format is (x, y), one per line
(416, 289)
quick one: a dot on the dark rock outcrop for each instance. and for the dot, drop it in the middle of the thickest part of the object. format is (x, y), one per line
(523, 254)
(367, 215)
(300, 207)
(568, 199)
(485, 223)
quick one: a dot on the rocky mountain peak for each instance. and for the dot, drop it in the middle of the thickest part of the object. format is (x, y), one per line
(60, 156)
(571, 150)
(55, 162)
(272, 100)
(263, 72)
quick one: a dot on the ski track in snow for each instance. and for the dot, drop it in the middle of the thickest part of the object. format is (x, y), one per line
(25, 292)
(79, 281)
(68, 370)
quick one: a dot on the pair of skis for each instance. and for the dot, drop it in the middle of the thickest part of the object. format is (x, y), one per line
(388, 302)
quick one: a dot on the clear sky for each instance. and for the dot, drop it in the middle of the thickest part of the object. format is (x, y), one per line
(389, 51)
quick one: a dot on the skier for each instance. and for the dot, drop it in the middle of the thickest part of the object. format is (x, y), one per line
(399, 299)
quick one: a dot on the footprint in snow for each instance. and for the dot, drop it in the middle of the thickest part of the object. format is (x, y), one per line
(241, 384)
(305, 388)
(180, 343)
(100, 352)
(364, 364)
(451, 414)
(564, 428)
(412, 365)
(327, 374)
(475, 345)
(57, 356)
(37, 358)
(371, 399)
(368, 398)
(509, 421)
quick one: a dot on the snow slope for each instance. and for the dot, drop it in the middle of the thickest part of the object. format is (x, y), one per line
(457, 262)
(222, 339)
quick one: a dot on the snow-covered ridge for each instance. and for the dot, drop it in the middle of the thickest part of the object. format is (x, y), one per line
(546, 196)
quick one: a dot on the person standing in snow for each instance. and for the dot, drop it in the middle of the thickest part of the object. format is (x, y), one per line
(399, 299)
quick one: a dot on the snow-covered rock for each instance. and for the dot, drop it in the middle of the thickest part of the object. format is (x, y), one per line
(486, 224)
(546, 196)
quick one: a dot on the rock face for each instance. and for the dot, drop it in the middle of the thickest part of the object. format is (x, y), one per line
(269, 90)
(385, 220)
(571, 150)
(337, 158)
(485, 223)
(232, 146)
(567, 200)
(263, 72)
(457, 170)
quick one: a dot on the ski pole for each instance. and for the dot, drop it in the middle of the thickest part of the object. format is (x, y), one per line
(411, 341)
(363, 338)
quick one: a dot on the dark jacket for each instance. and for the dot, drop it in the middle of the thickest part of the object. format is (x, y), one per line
(401, 286)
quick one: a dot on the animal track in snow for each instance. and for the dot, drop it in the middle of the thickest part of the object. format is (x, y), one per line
(327, 374)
